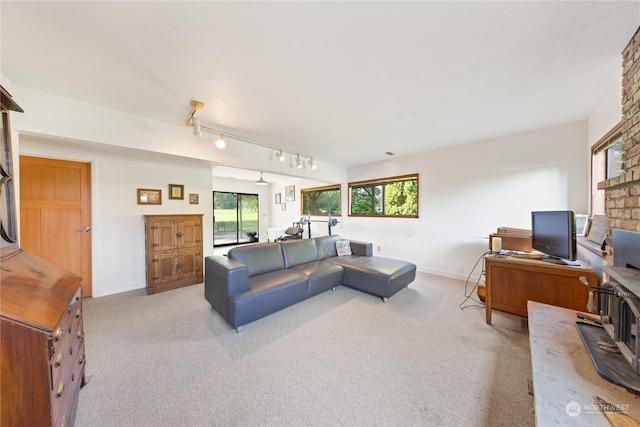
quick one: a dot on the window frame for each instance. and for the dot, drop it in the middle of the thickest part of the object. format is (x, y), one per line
(327, 188)
(239, 222)
(385, 181)
(600, 167)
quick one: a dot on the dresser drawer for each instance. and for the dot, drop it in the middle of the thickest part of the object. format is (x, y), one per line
(67, 363)
(64, 406)
(65, 337)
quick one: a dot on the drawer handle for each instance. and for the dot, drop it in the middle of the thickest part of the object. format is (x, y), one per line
(80, 334)
(60, 389)
(78, 313)
(65, 420)
(59, 359)
(81, 360)
(57, 334)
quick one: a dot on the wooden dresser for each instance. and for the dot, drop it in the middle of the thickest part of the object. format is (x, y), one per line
(174, 251)
(41, 342)
(512, 282)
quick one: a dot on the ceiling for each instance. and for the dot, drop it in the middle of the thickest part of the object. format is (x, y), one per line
(345, 82)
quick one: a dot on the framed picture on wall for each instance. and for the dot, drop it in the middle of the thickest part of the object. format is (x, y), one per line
(176, 192)
(278, 198)
(193, 199)
(290, 193)
(149, 197)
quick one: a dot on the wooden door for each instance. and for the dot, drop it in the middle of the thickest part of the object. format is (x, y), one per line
(55, 214)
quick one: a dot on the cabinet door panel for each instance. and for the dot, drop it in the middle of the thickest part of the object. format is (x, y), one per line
(191, 233)
(164, 267)
(164, 235)
(190, 263)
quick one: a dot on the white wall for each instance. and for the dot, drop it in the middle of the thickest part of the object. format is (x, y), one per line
(467, 191)
(607, 114)
(118, 237)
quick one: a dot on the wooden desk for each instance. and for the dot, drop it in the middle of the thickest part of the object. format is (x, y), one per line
(512, 282)
(564, 375)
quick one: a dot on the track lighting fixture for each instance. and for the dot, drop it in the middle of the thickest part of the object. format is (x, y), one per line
(196, 126)
(221, 143)
(261, 181)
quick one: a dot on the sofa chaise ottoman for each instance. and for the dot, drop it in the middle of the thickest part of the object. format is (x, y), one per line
(254, 281)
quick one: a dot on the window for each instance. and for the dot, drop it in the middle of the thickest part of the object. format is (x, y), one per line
(606, 163)
(321, 200)
(235, 218)
(386, 197)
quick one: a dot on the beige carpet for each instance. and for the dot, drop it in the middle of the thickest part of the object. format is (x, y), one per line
(342, 358)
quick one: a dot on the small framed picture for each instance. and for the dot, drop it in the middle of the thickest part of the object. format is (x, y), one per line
(176, 192)
(582, 224)
(193, 199)
(278, 198)
(290, 193)
(149, 197)
(283, 206)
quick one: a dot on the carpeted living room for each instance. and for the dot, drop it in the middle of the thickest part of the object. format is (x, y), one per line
(339, 358)
(220, 213)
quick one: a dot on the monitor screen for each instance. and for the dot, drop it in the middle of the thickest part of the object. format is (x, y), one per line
(554, 234)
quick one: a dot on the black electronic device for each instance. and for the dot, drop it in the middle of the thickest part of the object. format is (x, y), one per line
(554, 234)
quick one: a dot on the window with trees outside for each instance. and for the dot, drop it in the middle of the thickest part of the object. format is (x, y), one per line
(321, 200)
(385, 197)
(235, 218)
(606, 163)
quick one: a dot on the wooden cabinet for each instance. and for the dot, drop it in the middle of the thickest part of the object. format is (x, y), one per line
(174, 251)
(41, 342)
(512, 282)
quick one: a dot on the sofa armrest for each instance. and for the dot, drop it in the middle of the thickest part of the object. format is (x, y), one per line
(223, 278)
(361, 248)
(231, 275)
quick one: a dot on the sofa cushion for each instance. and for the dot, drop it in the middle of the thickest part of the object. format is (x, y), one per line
(376, 275)
(322, 275)
(296, 252)
(267, 294)
(260, 259)
(327, 246)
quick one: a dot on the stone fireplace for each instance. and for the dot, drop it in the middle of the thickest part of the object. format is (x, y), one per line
(622, 192)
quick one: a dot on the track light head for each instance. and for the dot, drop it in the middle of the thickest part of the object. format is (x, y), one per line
(280, 156)
(220, 143)
(299, 164)
(313, 165)
(195, 122)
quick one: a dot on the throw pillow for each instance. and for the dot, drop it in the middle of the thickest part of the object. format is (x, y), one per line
(343, 247)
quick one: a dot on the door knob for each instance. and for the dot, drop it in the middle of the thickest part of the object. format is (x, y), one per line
(85, 229)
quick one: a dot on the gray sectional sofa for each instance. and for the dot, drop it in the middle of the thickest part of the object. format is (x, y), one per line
(254, 281)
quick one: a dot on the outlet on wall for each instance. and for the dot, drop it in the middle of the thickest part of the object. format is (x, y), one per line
(378, 248)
